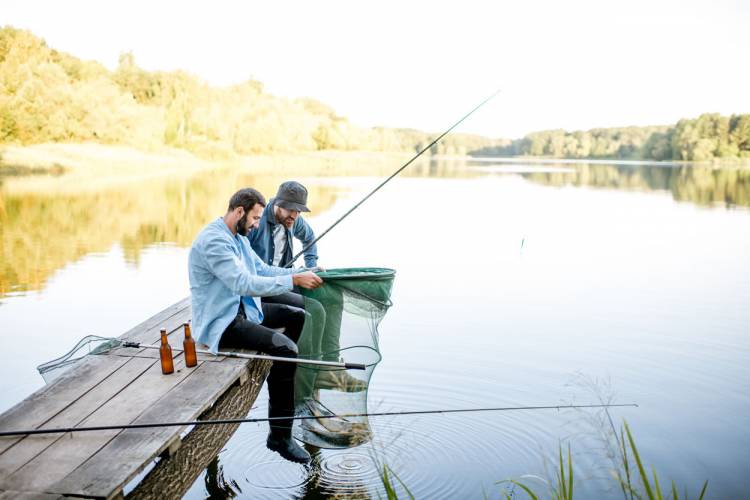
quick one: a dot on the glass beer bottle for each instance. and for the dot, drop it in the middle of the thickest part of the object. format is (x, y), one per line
(165, 353)
(188, 345)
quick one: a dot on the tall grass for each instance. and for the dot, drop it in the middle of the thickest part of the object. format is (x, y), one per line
(561, 490)
(390, 485)
(652, 491)
(633, 478)
(389, 479)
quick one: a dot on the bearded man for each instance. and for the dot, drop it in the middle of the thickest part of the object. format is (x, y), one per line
(227, 279)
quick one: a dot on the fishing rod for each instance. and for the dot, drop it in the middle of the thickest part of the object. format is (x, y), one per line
(334, 364)
(394, 174)
(108, 344)
(63, 430)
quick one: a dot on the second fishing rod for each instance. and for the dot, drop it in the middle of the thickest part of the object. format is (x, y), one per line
(343, 417)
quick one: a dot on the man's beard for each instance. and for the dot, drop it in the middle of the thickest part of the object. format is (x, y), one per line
(241, 226)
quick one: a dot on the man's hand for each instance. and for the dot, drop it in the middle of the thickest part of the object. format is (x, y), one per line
(307, 279)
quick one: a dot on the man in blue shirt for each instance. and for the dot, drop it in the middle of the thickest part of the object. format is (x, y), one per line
(227, 279)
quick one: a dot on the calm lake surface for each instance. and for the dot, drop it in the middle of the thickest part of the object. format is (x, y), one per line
(518, 283)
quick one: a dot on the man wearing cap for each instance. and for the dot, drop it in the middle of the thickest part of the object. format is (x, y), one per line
(227, 280)
(281, 221)
(272, 241)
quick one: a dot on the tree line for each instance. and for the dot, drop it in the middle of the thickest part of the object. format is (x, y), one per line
(709, 136)
(51, 96)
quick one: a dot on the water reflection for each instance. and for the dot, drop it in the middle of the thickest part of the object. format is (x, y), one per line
(702, 185)
(215, 483)
(44, 227)
(42, 230)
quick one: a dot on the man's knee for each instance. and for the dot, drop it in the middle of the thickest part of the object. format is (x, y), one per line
(284, 346)
(295, 318)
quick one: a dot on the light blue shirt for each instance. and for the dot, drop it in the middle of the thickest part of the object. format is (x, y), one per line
(223, 269)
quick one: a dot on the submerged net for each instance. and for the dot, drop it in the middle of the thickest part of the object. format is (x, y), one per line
(342, 323)
(90, 344)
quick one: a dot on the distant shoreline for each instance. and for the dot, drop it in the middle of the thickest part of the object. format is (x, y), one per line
(93, 158)
(115, 160)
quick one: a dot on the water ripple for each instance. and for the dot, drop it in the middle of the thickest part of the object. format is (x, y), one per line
(347, 472)
(276, 475)
(451, 447)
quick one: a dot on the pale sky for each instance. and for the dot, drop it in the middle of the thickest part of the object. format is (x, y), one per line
(560, 64)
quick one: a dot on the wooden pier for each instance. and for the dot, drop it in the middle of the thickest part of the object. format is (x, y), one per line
(126, 386)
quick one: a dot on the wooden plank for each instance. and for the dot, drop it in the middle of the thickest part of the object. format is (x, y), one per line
(149, 331)
(50, 400)
(30, 446)
(66, 454)
(126, 455)
(173, 478)
(28, 495)
(154, 354)
(137, 332)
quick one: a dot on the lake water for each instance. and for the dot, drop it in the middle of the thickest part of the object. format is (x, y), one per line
(518, 283)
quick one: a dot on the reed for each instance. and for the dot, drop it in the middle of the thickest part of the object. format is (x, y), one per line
(652, 491)
(563, 484)
(387, 477)
(633, 478)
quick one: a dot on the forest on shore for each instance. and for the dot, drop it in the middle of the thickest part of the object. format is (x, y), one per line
(710, 136)
(50, 96)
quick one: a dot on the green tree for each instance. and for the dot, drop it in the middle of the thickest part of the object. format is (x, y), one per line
(739, 133)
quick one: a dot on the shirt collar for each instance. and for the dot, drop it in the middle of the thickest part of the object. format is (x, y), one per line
(271, 213)
(220, 222)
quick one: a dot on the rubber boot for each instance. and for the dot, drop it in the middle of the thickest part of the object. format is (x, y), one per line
(280, 440)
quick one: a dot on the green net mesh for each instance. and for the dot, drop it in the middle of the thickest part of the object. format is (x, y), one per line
(342, 323)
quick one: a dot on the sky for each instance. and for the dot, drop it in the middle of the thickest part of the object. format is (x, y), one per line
(575, 65)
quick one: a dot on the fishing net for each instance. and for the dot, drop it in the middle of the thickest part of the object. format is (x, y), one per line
(342, 323)
(90, 344)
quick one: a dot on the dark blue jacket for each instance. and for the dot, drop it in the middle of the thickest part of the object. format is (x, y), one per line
(261, 239)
